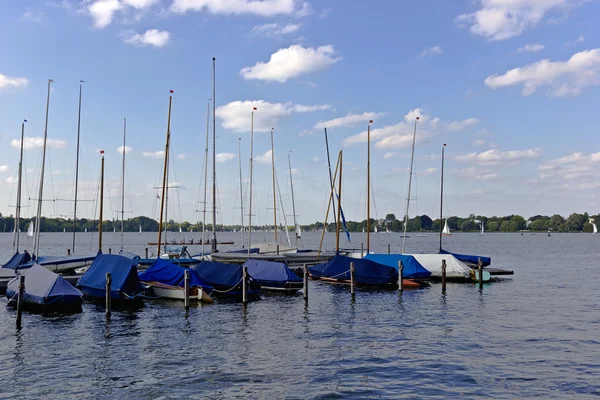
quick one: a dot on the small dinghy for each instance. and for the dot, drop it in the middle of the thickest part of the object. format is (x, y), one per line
(366, 272)
(272, 275)
(125, 284)
(167, 280)
(45, 290)
(456, 270)
(411, 269)
(17, 260)
(226, 280)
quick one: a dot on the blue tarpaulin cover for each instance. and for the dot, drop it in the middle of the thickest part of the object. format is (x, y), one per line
(367, 272)
(222, 276)
(44, 287)
(469, 259)
(123, 273)
(270, 271)
(17, 260)
(411, 267)
(168, 273)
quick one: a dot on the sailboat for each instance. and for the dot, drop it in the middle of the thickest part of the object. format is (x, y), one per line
(140, 232)
(375, 229)
(594, 227)
(297, 228)
(30, 229)
(482, 228)
(446, 230)
(180, 230)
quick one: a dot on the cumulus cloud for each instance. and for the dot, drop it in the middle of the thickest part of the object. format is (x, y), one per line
(391, 154)
(222, 157)
(103, 11)
(12, 82)
(479, 142)
(564, 77)
(152, 37)
(349, 120)
(127, 149)
(181, 156)
(574, 166)
(475, 173)
(274, 29)
(237, 114)
(531, 48)
(315, 159)
(435, 50)
(428, 171)
(503, 19)
(264, 8)
(154, 154)
(393, 135)
(38, 142)
(3, 168)
(11, 179)
(292, 62)
(495, 156)
(462, 125)
(265, 158)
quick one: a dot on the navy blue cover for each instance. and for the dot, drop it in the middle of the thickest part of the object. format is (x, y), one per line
(123, 273)
(411, 268)
(168, 273)
(222, 276)
(469, 259)
(16, 260)
(366, 272)
(45, 288)
(270, 271)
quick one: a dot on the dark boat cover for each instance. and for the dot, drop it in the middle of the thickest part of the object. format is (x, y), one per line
(411, 267)
(222, 276)
(367, 272)
(44, 287)
(270, 271)
(17, 260)
(469, 259)
(168, 273)
(123, 273)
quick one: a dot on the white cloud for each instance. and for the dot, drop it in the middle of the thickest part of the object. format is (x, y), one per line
(324, 13)
(475, 173)
(461, 125)
(264, 8)
(127, 150)
(479, 142)
(154, 154)
(237, 114)
(102, 11)
(292, 62)
(503, 19)
(11, 179)
(531, 48)
(275, 30)
(399, 131)
(140, 4)
(9, 81)
(3, 168)
(315, 159)
(435, 50)
(38, 142)
(222, 157)
(575, 166)
(390, 155)
(564, 77)
(428, 171)
(580, 39)
(265, 158)
(181, 156)
(152, 37)
(495, 156)
(33, 16)
(349, 120)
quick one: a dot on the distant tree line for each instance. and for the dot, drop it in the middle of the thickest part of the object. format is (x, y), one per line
(422, 223)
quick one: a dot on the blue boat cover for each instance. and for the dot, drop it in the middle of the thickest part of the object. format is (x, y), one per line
(270, 271)
(17, 260)
(469, 259)
(411, 267)
(168, 273)
(253, 250)
(44, 287)
(366, 272)
(223, 276)
(123, 273)
(129, 254)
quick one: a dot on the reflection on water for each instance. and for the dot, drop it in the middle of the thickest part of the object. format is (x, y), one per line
(533, 335)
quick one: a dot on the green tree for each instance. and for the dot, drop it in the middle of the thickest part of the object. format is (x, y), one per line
(493, 226)
(509, 226)
(556, 221)
(468, 225)
(541, 224)
(575, 221)
(453, 223)
(426, 222)
(390, 217)
(520, 221)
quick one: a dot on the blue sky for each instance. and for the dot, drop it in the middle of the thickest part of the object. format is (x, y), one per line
(510, 85)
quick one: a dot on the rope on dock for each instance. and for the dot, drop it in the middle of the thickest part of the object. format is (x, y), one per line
(343, 273)
(229, 290)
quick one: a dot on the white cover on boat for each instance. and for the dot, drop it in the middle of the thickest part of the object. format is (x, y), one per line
(433, 264)
(267, 248)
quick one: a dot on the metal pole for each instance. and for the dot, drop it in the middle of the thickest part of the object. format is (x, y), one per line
(274, 192)
(77, 167)
(251, 162)
(186, 288)
(107, 293)
(293, 202)
(369, 187)
(101, 201)
(146, 253)
(214, 171)
(400, 276)
(241, 189)
(164, 182)
(339, 210)
(20, 300)
(205, 179)
(412, 157)
(389, 248)
(352, 278)
(305, 282)
(330, 177)
(244, 285)
(480, 272)
(123, 183)
(18, 211)
(442, 198)
(444, 276)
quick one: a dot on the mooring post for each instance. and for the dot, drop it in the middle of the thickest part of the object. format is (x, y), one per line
(362, 250)
(400, 276)
(20, 300)
(305, 288)
(278, 249)
(108, 299)
(352, 278)
(244, 285)
(146, 253)
(389, 248)
(444, 276)
(68, 252)
(480, 271)
(186, 288)
(109, 250)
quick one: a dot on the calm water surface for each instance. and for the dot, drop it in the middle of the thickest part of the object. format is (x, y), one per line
(534, 335)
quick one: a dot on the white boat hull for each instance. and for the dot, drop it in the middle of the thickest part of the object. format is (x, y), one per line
(178, 293)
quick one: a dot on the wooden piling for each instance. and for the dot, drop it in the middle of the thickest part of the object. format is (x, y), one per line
(20, 300)
(68, 252)
(400, 276)
(305, 288)
(389, 249)
(244, 285)
(186, 288)
(146, 253)
(278, 249)
(480, 272)
(108, 298)
(362, 250)
(352, 278)
(444, 276)
(109, 250)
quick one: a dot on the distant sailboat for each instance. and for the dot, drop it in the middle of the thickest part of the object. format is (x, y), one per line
(375, 229)
(594, 227)
(446, 230)
(64, 230)
(180, 230)
(86, 230)
(140, 229)
(30, 229)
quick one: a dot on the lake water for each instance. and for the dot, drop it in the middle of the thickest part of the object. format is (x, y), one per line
(534, 335)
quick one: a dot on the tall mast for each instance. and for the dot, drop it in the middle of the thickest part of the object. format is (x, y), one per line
(164, 182)
(241, 192)
(330, 177)
(369, 186)
(442, 197)
(412, 157)
(101, 201)
(293, 202)
(214, 172)
(77, 166)
(339, 210)
(36, 243)
(123, 182)
(250, 199)
(205, 179)
(274, 189)
(18, 211)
